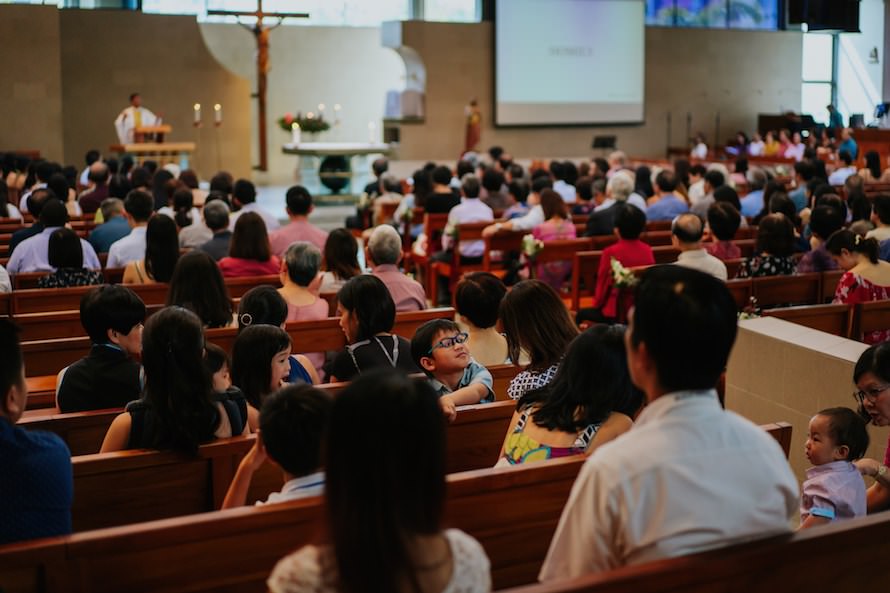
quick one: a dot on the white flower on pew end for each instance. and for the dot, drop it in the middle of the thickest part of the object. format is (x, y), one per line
(531, 246)
(621, 276)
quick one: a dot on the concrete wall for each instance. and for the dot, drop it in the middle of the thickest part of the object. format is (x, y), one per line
(781, 371)
(106, 55)
(737, 74)
(312, 65)
(31, 93)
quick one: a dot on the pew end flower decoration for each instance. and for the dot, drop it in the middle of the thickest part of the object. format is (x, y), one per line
(531, 246)
(621, 276)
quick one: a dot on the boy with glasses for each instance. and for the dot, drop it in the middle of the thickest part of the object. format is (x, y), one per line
(439, 347)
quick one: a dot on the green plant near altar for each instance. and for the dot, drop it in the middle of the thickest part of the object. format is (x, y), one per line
(309, 123)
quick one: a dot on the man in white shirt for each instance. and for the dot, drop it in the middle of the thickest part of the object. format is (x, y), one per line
(139, 207)
(686, 235)
(839, 176)
(134, 116)
(32, 254)
(533, 218)
(244, 197)
(561, 186)
(689, 476)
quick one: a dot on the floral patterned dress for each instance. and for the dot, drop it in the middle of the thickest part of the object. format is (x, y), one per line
(767, 265)
(852, 289)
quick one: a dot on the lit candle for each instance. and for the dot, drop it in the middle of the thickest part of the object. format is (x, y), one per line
(295, 133)
(217, 113)
(337, 108)
(197, 113)
(372, 132)
(321, 110)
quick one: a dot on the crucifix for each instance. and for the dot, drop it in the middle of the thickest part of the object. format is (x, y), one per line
(261, 33)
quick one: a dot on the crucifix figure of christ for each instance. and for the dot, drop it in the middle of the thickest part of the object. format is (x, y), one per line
(261, 32)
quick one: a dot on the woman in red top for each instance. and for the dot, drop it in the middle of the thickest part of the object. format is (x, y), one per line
(249, 252)
(866, 279)
(630, 252)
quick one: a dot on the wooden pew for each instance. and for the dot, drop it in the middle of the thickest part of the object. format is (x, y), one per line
(785, 290)
(869, 317)
(832, 319)
(559, 251)
(829, 284)
(185, 552)
(454, 269)
(41, 300)
(57, 324)
(585, 265)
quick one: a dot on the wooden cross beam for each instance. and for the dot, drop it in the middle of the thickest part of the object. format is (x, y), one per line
(261, 33)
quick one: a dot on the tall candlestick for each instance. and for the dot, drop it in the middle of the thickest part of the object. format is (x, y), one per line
(197, 113)
(321, 111)
(295, 133)
(217, 114)
(372, 132)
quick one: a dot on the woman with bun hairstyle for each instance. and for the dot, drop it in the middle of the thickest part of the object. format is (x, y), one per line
(866, 279)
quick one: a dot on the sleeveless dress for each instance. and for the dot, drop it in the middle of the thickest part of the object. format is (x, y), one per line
(521, 448)
(852, 289)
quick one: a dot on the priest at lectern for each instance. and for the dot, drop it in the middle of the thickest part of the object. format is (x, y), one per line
(134, 116)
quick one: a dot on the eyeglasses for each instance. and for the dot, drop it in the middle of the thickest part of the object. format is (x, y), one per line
(450, 341)
(871, 394)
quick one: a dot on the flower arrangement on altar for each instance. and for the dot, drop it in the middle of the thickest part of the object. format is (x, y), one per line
(310, 123)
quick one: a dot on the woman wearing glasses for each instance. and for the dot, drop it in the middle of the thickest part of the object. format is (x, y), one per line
(872, 378)
(367, 314)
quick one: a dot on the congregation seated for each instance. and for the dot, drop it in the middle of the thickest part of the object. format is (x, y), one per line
(32, 254)
(774, 247)
(687, 231)
(439, 348)
(299, 207)
(408, 550)
(198, 285)
(66, 256)
(216, 218)
(109, 376)
(589, 402)
(825, 220)
(161, 254)
(663, 488)
(115, 226)
(723, 223)
(866, 278)
(367, 315)
(178, 409)
(544, 335)
(291, 424)
(384, 252)
(244, 200)
(340, 259)
(249, 252)
(37, 485)
(557, 226)
(477, 298)
(264, 305)
(871, 375)
(139, 206)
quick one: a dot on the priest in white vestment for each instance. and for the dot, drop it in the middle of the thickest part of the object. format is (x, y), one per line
(134, 116)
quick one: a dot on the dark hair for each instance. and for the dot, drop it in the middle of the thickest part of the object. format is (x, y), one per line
(374, 509)
(139, 205)
(724, 220)
(846, 427)
(249, 239)
(882, 207)
(553, 205)
(151, 166)
(687, 319)
(161, 248)
(478, 296)
(178, 387)
(845, 156)
(557, 170)
(38, 199)
(875, 360)
(183, 202)
(59, 185)
(698, 169)
(727, 194)
(873, 163)
(424, 336)
(422, 187)
(189, 178)
(688, 228)
(630, 221)
(262, 305)
(215, 358)
(584, 188)
(140, 177)
(643, 182)
(833, 200)
(65, 250)
(380, 166)
(197, 284)
(293, 421)
(222, 182)
(4, 199)
(299, 200)
(805, 169)
(569, 172)
(110, 306)
(775, 235)
(666, 181)
(367, 297)
(252, 354)
(341, 254)
(715, 178)
(464, 166)
(518, 188)
(846, 239)
(825, 220)
(601, 165)
(159, 190)
(492, 180)
(591, 383)
(860, 205)
(536, 320)
(441, 175)
(53, 213)
(11, 362)
(541, 183)
(119, 186)
(244, 191)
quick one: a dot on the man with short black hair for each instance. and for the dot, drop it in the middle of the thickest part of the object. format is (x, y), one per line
(752, 203)
(839, 176)
(32, 254)
(244, 200)
(825, 220)
(714, 180)
(37, 484)
(299, 207)
(803, 172)
(686, 235)
(139, 207)
(723, 222)
(689, 475)
(109, 376)
(216, 217)
(443, 198)
(667, 204)
(35, 204)
(113, 229)
(43, 170)
(880, 216)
